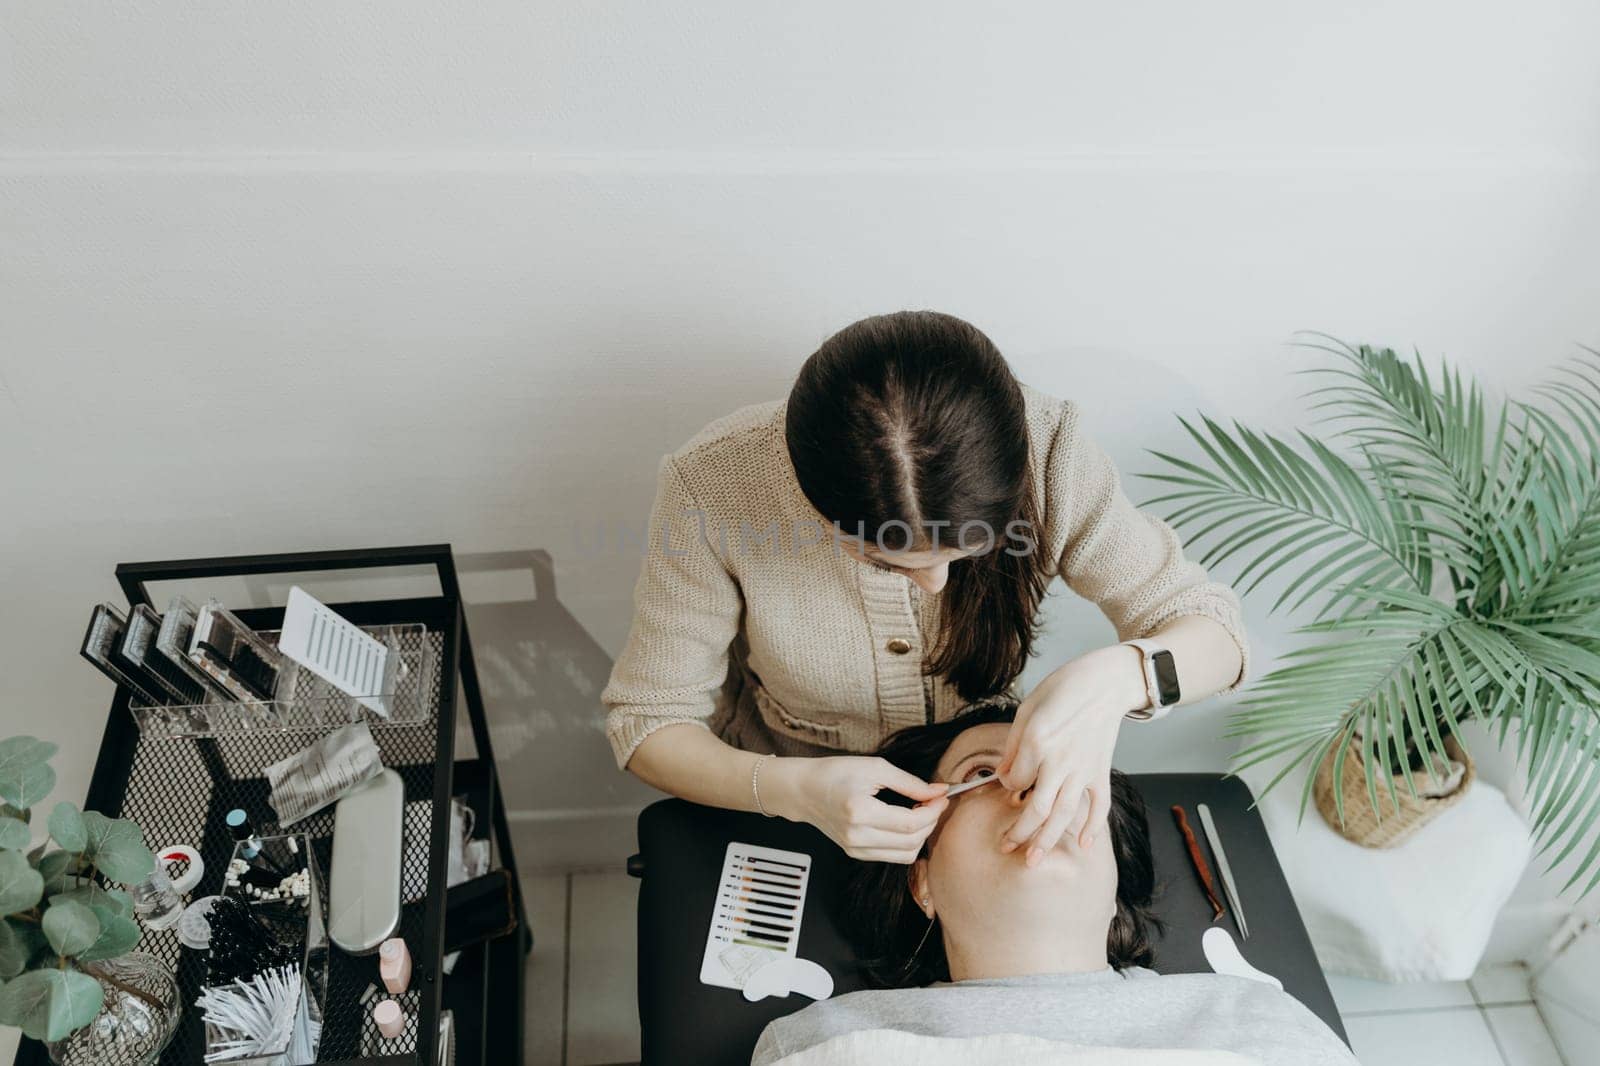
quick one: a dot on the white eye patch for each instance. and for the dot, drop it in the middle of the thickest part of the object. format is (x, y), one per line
(789, 974)
(1223, 955)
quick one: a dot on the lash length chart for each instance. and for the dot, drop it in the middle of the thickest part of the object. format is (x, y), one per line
(760, 901)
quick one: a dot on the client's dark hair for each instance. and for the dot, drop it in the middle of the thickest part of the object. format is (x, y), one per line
(884, 925)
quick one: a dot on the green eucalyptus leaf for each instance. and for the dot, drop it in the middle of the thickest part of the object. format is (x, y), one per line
(67, 827)
(14, 833)
(29, 940)
(118, 935)
(14, 950)
(20, 884)
(116, 847)
(118, 900)
(25, 775)
(97, 896)
(21, 814)
(59, 871)
(49, 1004)
(70, 927)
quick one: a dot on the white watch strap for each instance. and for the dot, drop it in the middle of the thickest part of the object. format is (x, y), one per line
(1152, 688)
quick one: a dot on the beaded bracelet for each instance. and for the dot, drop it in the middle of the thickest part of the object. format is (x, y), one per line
(755, 785)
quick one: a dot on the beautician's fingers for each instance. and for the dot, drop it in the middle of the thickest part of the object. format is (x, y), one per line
(877, 814)
(1020, 763)
(1099, 805)
(1041, 801)
(892, 777)
(1068, 807)
(1080, 821)
(1025, 768)
(857, 840)
(865, 836)
(905, 857)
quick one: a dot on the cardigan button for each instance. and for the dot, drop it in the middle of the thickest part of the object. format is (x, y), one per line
(898, 646)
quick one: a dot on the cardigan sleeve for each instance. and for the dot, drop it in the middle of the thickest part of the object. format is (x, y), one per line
(686, 614)
(1128, 562)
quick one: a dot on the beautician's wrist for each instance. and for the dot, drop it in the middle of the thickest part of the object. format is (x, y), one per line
(779, 786)
(1124, 676)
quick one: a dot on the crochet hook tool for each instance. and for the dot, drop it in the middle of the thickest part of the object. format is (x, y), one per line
(1197, 859)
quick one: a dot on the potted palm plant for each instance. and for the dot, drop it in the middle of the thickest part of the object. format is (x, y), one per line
(1450, 546)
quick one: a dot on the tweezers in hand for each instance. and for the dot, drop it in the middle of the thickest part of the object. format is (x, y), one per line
(967, 786)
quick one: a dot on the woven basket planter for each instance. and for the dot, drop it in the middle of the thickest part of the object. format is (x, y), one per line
(1388, 825)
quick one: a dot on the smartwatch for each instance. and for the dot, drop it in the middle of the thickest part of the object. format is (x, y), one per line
(1160, 679)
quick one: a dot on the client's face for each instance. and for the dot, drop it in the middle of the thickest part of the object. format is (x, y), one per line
(980, 893)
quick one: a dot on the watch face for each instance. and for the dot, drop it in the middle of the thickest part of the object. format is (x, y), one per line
(1166, 677)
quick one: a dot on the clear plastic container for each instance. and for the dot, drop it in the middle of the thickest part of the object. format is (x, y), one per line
(303, 701)
(294, 924)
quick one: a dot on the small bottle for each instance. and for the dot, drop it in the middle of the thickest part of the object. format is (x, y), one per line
(391, 1020)
(243, 832)
(394, 965)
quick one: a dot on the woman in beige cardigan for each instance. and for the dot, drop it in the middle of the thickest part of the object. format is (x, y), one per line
(871, 554)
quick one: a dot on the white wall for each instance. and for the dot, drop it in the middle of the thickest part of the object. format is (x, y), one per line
(462, 272)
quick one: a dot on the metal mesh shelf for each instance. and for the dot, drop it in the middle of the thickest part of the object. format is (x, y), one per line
(179, 788)
(177, 795)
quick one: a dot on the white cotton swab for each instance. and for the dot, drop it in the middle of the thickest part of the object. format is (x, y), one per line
(259, 1016)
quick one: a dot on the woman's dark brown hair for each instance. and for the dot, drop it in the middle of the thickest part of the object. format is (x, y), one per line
(910, 426)
(891, 935)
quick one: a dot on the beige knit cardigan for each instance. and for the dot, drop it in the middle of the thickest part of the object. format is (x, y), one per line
(749, 620)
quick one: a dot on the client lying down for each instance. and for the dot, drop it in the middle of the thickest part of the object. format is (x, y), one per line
(982, 959)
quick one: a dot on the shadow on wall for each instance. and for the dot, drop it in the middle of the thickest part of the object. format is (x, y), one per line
(542, 674)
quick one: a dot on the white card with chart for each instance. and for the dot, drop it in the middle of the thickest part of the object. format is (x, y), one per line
(760, 901)
(342, 654)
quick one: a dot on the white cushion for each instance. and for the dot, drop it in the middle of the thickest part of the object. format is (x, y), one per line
(1421, 911)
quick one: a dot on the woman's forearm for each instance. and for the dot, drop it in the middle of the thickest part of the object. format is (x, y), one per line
(1203, 652)
(1205, 655)
(693, 763)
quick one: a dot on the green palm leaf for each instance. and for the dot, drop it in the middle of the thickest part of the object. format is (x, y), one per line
(1433, 444)
(1261, 497)
(1502, 500)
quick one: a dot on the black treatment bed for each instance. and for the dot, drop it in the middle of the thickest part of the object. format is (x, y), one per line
(681, 847)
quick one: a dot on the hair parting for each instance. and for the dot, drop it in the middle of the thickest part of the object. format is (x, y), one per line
(914, 420)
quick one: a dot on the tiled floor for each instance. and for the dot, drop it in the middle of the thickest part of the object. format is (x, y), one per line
(1488, 1021)
(581, 1009)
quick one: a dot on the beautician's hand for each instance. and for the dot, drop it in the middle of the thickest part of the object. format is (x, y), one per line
(1060, 745)
(837, 794)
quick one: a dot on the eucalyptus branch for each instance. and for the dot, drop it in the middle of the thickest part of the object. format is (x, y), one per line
(99, 973)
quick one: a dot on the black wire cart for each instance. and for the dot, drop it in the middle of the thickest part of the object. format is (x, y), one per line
(179, 789)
